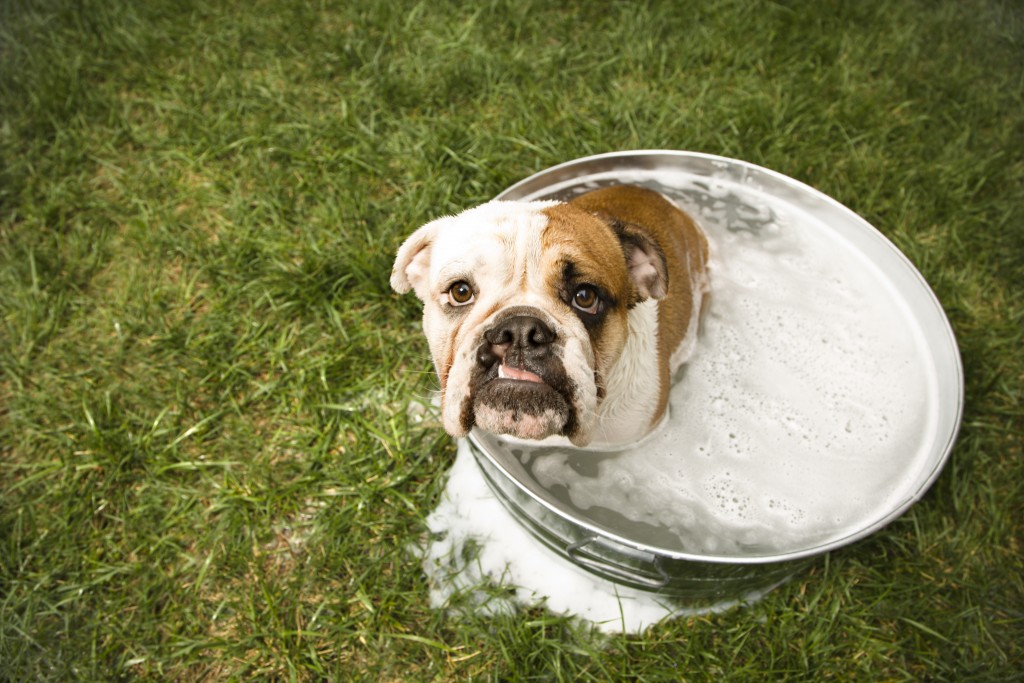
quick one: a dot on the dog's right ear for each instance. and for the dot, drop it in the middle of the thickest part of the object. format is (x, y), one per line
(412, 263)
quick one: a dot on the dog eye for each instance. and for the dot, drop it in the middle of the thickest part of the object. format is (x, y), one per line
(586, 299)
(460, 293)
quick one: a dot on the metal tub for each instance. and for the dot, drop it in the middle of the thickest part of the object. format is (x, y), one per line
(642, 556)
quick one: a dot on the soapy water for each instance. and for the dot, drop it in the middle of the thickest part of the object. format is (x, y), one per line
(802, 417)
(480, 558)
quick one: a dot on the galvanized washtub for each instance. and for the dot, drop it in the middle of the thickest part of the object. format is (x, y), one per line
(741, 199)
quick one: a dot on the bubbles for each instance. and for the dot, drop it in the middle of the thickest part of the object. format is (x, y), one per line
(798, 420)
(789, 512)
(727, 497)
(479, 558)
(802, 403)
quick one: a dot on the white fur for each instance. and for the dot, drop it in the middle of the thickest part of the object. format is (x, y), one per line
(699, 286)
(633, 384)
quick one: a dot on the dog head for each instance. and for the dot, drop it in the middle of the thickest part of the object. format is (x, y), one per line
(525, 312)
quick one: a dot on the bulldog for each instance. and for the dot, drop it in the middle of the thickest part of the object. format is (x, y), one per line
(558, 319)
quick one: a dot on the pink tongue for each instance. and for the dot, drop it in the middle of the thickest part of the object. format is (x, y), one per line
(508, 372)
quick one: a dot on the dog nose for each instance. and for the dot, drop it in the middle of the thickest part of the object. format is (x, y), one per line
(521, 337)
(521, 332)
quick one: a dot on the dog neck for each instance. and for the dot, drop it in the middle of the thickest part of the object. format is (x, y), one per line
(633, 386)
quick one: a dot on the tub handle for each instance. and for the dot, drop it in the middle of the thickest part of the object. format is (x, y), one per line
(600, 565)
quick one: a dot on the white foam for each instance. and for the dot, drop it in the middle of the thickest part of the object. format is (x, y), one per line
(480, 558)
(800, 416)
(797, 421)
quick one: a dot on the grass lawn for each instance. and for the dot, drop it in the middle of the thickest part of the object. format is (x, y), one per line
(208, 465)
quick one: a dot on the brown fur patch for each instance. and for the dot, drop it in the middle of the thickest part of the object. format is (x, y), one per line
(590, 246)
(686, 254)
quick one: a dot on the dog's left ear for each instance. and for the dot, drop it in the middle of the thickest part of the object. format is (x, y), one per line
(645, 260)
(412, 263)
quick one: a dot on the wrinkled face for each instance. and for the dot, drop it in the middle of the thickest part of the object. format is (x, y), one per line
(525, 312)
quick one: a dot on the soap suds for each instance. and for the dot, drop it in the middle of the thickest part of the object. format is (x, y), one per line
(799, 420)
(480, 558)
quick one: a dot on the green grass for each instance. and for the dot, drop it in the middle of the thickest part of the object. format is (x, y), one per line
(208, 467)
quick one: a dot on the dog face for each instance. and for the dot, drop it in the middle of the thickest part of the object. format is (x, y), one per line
(525, 312)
